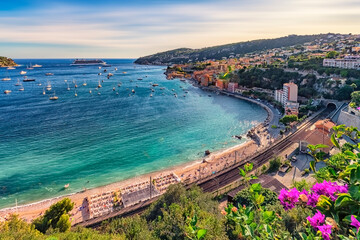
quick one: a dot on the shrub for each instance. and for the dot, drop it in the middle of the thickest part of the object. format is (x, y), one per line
(288, 119)
(55, 217)
(263, 168)
(301, 185)
(274, 165)
(244, 198)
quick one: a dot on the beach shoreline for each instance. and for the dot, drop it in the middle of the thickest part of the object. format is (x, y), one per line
(188, 172)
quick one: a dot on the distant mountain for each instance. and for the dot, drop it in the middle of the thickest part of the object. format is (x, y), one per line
(7, 62)
(184, 55)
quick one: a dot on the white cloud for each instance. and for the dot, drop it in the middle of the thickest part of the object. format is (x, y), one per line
(130, 32)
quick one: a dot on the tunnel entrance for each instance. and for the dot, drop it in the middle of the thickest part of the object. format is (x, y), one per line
(331, 106)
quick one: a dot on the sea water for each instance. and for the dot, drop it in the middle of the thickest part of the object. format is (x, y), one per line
(105, 136)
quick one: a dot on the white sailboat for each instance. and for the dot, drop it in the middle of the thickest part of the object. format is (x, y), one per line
(7, 78)
(54, 97)
(30, 67)
(48, 87)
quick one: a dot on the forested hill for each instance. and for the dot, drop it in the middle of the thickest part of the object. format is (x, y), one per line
(183, 55)
(7, 62)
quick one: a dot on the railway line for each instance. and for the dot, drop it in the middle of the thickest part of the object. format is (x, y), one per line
(222, 178)
(232, 174)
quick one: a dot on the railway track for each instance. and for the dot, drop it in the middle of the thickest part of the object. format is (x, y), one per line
(232, 174)
(220, 179)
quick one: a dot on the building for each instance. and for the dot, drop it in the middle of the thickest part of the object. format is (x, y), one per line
(350, 62)
(205, 79)
(232, 86)
(291, 108)
(278, 95)
(220, 84)
(288, 97)
(324, 125)
(290, 92)
(314, 137)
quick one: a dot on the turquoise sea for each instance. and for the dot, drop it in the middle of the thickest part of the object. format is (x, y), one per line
(92, 140)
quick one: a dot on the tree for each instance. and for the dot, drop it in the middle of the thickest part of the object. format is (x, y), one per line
(355, 98)
(332, 54)
(244, 197)
(55, 217)
(64, 223)
(288, 119)
(344, 93)
(353, 85)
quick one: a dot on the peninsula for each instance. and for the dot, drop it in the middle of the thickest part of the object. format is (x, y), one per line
(7, 62)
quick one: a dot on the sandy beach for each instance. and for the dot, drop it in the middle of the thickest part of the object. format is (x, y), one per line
(188, 172)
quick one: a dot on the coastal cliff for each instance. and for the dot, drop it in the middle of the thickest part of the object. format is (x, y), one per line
(7, 62)
(185, 55)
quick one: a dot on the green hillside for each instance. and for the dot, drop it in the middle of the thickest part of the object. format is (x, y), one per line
(7, 62)
(184, 55)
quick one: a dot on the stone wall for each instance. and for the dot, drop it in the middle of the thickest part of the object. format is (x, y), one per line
(348, 119)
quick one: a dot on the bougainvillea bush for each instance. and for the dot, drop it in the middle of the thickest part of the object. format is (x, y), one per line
(332, 204)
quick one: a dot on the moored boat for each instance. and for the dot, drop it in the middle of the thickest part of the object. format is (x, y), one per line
(90, 62)
(23, 72)
(26, 79)
(7, 91)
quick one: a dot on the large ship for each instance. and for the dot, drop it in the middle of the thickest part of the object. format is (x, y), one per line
(90, 62)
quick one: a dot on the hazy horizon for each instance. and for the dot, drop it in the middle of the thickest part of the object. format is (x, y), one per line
(120, 29)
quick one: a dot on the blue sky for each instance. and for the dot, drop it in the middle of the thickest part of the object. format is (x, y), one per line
(119, 29)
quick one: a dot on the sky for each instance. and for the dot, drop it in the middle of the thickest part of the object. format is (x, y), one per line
(134, 28)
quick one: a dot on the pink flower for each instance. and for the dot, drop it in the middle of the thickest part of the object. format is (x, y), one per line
(355, 222)
(328, 189)
(325, 231)
(289, 198)
(317, 220)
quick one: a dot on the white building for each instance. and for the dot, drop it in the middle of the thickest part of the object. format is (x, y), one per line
(350, 62)
(289, 93)
(288, 98)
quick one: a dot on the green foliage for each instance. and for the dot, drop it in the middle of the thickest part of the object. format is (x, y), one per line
(275, 164)
(183, 55)
(244, 197)
(131, 228)
(301, 185)
(332, 54)
(15, 229)
(64, 223)
(355, 98)
(274, 126)
(288, 119)
(7, 62)
(55, 217)
(343, 93)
